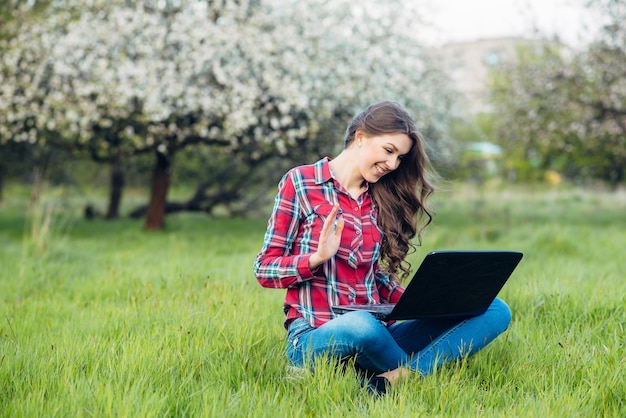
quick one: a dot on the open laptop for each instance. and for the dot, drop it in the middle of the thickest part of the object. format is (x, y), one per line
(450, 283)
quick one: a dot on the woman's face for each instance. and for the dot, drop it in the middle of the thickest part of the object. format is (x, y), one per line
(381, 154)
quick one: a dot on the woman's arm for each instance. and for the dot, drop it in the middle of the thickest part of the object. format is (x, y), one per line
(389, 289)
(276, 266)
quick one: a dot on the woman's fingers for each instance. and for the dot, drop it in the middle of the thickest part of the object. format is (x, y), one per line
(330, 235)
(339, 223)
(331, 220)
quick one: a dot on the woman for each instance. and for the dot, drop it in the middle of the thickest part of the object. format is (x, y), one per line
(339, 234)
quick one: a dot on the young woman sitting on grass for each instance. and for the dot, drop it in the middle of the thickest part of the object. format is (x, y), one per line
(339, 233)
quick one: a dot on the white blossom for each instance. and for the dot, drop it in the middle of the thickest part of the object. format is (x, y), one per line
(254, 73)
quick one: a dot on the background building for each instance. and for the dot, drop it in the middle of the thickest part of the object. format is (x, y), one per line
(468, 64)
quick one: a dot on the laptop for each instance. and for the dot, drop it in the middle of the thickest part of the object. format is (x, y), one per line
(448, 284)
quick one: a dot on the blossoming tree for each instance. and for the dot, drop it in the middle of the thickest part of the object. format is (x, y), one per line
(257, 78)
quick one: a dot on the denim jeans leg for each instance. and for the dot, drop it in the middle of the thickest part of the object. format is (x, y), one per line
(432, 343)
(422, 345)
(354, 334)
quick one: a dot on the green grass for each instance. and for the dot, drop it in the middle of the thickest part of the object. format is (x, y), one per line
(102, 319)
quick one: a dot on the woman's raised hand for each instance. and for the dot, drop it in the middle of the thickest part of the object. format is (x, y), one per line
(330, 238)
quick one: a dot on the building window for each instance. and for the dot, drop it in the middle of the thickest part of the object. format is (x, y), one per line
(492, 58)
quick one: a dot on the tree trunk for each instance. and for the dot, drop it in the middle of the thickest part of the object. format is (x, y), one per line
(155, 216)
(117, 185)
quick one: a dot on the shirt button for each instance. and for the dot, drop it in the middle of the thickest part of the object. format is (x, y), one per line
(356, 209)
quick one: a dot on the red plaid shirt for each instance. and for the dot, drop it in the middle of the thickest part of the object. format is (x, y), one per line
(305, 197)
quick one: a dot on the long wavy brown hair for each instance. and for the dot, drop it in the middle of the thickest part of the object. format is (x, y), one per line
(400, 196)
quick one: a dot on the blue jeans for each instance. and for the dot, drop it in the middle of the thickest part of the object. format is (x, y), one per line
(420, 345)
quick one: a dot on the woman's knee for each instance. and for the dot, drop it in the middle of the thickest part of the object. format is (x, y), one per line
(500, 314)
(358, 326)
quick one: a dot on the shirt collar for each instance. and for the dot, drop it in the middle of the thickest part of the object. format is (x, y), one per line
(322, 171)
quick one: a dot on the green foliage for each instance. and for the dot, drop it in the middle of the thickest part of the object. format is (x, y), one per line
(480, 128)
(564, 110)
(108, 320)
(15, 13)
(463, 132)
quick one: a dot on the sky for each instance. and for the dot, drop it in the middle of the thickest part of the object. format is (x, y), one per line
(466, 20)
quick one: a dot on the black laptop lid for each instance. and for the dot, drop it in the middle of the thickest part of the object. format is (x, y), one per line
(456, 283)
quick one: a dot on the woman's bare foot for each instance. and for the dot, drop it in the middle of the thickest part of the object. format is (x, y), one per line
(393, 376)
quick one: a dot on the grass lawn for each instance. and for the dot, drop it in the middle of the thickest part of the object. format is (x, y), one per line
(103, 319)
